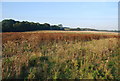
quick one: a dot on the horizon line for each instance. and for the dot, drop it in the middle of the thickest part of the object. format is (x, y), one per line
(57, 24)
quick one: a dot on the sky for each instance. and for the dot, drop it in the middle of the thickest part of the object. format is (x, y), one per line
(60, 0)
(96, 15)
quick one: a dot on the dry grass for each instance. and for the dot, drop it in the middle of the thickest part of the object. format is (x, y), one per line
(60, 56)
(18, 36)
(80, 32)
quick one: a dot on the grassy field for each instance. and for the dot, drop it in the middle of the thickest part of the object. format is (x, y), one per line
(78, 32)
(60, 55)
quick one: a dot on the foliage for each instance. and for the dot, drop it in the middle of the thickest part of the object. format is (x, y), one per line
(10, 25)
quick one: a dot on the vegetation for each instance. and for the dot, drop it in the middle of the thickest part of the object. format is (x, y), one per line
(60, 56)
(10, 25)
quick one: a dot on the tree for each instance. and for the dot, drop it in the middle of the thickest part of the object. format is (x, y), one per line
(0, 26)
(7, 25)
(78, 29)
(60, 25)
(46, 26)
(17, 26)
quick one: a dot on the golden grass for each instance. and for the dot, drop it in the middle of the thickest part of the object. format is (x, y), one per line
(80, 32)
(26, 55)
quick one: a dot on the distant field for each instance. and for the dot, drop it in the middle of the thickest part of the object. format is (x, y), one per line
(60, 55)
(57, 36)
(73, 32)
(81, 32)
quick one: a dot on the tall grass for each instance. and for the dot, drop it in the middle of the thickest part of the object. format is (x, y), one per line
(60, 56)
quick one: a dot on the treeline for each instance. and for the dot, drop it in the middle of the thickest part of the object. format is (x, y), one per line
(88, 29)
(10, 25)
(82, 29)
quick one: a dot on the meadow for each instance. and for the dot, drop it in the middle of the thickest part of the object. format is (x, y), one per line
(60, 55)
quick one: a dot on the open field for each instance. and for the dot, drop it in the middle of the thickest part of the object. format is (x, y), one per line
(81, 32)
(78, 32)
(60, 55)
